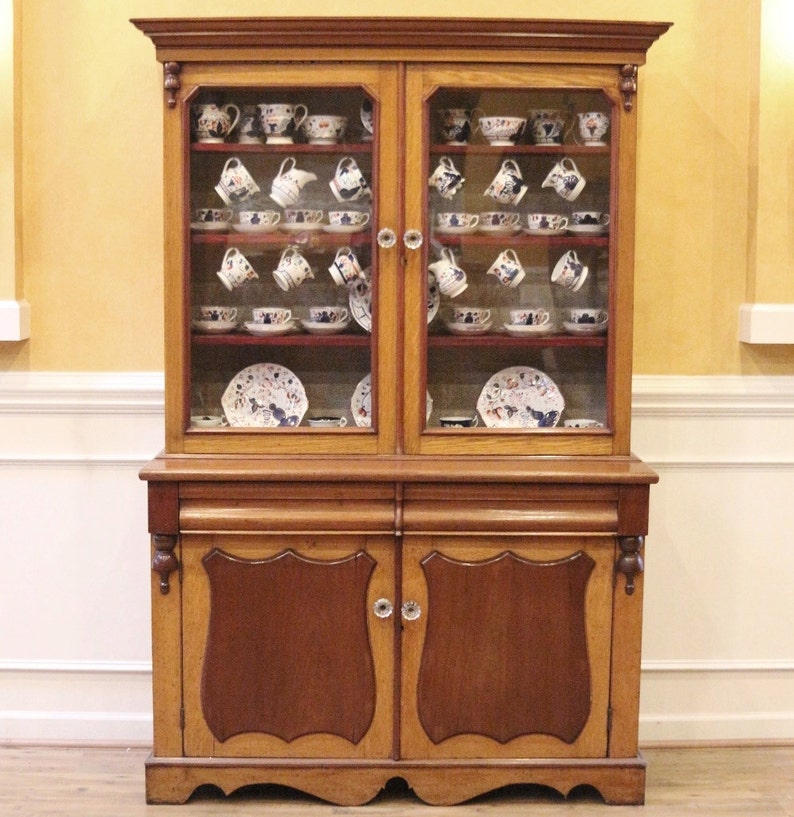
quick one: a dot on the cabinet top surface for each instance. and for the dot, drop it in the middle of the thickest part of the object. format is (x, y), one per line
(174, 468)
(403, 32)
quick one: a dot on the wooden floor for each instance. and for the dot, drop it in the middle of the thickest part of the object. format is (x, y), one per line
(702, 782)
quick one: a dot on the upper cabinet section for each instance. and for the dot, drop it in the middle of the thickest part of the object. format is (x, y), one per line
(394, 235)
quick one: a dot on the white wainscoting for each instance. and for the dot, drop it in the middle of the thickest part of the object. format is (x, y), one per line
(718, 657)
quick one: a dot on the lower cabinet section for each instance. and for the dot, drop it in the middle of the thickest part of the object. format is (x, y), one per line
(331, 638)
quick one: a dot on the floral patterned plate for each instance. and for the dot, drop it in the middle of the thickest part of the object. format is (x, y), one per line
(265, 395)
(520, 397)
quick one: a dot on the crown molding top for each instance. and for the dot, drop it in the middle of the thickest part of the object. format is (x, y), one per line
(281, 35)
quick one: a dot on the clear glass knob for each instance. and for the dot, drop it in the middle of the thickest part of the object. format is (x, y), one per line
(411, 610)
(386, 238)
(383, 608)
(413, 239)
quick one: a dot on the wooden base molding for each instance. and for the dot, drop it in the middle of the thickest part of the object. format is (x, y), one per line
(173, 780)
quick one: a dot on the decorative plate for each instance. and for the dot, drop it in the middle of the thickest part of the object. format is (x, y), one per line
(213, 327)
(361, 402)
(433, 297)
(520, 397)
(265, 395)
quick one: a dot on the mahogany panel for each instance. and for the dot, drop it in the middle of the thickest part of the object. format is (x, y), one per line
(287, 649)
(502, 669)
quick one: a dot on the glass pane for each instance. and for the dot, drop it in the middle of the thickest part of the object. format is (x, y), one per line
(519, 207)
(280, 282)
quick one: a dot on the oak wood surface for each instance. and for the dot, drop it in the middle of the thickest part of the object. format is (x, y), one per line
(47, 781)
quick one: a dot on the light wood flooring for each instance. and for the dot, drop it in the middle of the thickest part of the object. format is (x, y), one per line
(701, 782)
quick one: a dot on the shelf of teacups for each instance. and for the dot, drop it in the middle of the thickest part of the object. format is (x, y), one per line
(297, 339)
(294, 147)
(552, 150)
(522, 238)
(310, 238)
(504, 341)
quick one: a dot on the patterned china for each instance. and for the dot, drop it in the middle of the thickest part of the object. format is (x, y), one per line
(265, 395)
(520, 397)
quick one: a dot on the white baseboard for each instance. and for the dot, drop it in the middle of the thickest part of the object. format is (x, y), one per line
(718, 556)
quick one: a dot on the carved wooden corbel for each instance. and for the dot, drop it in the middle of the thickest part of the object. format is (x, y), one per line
(628, 85)
(630, 561)
(164, 562)
(171, 81)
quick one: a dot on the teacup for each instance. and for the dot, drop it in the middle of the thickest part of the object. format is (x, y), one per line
(508, 185)
(529, 317)
(345, 269)
(327, 421)
(348, 218)
(288, 185)
(593, 127)
(569, 272)
(279, 121)
(250, 130)
(236, 269)
(507, 268)
(566, 179)
(499, 218)
(271, 315)
(473, 315)
(212, 215)
(324, 129)
(456, 125)
(213, 123)
(458, 420)
(348, 183)
(236, 183)
(448, 221)
(546, 221)
(589, 218)
(582, 422)
(445, 178)
(588, 315)
(502, 130)
(546, 127)
(218, 313)
(259, 218)
(292, 270)
(450, 277)
(328, 314)
(294, 215)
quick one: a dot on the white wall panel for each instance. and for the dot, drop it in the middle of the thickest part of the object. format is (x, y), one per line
(718, 656)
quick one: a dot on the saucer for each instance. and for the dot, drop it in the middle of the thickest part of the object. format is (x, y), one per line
(522, 329)
(498, 229)
(210, 226)
(255, 228)
(588, 229)
(544, 231)
(302, 227)
(344, 229)
(319, 328)
(468, 328)
(585, 328)
(213, 327)
(270, 329)
(457, 230)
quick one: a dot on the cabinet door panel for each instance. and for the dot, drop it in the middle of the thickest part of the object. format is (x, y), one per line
(509, 656)
(283, 654)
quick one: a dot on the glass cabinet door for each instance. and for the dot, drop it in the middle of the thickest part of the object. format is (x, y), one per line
(283, 290)
(516, 195)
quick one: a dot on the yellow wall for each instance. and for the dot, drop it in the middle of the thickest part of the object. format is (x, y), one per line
(91, 190)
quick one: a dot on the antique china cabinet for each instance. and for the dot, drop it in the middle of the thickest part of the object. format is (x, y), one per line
(397, 529)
